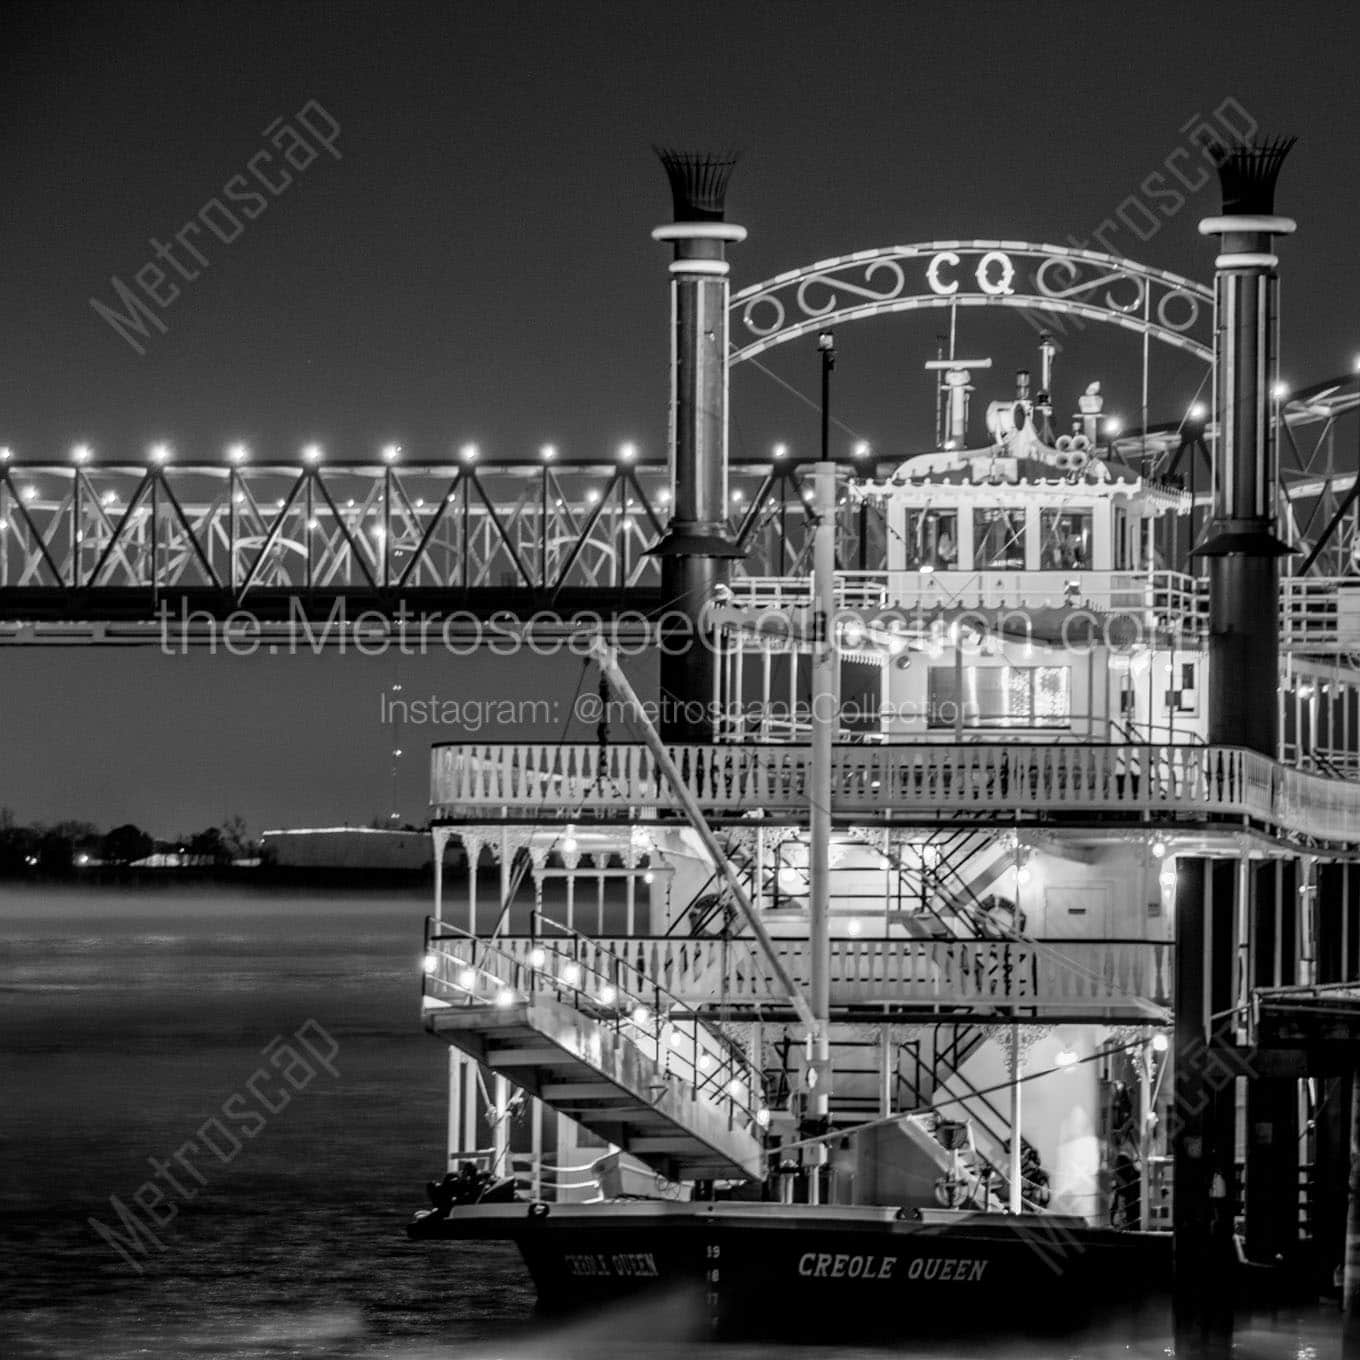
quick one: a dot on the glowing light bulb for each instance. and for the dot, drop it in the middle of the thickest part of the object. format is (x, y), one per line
(467, 978)
(537, 957)
(430, 963)
(861, 449)
(81, 453)
(1158, 849)
(238, 453)
(1279, 390)
(854, 926)
(468, 453)
(641, 1015)
(1023, 875)
(571, 974)
(649, 877)
(1198, 411)
(763, 1117)
(28, 493)
(311, 453)
(607, 994)
(391, 452)
(1066, 1057)
(505, 997)
(781, 450)
(1160, 1043)
(160, 453)
(5, 455)
(548, 452)
(627, 452)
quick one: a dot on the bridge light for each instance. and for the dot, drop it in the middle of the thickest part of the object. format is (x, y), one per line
(1113, 425)
(862, 449)
(736, 498)
(468, 453)
(312, 522)
(238, 453)
(571, 974)
(663, 497)
(537, 957)
(1198, 411)
(649, 877)
(81, 453)
(780, 451)
(763, 1117)
(5, 454)
(607, 994)
(854, 927)
(467, 978)
(641, 1015)
(548, 452)
(948, 445)
(28, 493)
(1023, 875)
(1066, 1057)
(391, 452)
(505, 997)
(627, 452)
(735, 1089)
(1158, 849)
(430, 963)
(312, 453)
(110, 498)
(1279, 390)
(592, 496)
(160, 453)
(1160, 1043)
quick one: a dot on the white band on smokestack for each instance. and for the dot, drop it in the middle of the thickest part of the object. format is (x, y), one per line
(715, 268)
(699, 231)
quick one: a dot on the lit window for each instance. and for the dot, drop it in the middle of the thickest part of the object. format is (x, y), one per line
(1000, 696)
(999, 538)
(1065, 540)
(932, 539)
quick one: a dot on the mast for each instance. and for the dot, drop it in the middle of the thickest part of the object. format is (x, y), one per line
(825, 723)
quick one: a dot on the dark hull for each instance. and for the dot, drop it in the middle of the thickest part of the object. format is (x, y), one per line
(793, 1271)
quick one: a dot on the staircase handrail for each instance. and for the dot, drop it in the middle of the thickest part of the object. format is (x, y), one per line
(655, 1019)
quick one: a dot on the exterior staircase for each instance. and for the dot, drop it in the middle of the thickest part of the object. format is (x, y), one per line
(599, 1043)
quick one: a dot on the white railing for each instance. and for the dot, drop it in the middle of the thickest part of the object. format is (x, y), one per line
(1317, 613)
(557, 781)
(1320, 613)
(465, 971)
(1103, 975)
(1167, 598)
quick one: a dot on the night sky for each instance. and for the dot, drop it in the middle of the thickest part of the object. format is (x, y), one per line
(476, 265)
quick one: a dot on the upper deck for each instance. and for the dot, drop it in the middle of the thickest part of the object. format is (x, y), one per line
(1002, 783)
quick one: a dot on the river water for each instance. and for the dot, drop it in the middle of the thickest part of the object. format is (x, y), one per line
(128, 1018)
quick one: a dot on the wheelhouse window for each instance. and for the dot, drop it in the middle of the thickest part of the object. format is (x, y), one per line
(1000, 696)
(932, 539)
(1065, 540)
(999, 538)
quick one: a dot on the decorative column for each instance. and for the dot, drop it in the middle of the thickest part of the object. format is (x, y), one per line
(1242, 547)
(696, 549)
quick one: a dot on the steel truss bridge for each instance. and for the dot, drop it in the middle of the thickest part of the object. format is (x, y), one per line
(115, 550)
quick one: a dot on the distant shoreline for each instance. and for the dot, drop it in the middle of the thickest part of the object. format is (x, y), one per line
(338, 878)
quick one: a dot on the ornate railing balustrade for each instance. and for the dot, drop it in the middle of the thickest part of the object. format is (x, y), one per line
(904, 784)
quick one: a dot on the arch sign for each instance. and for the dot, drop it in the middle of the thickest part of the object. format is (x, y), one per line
(1043, 279)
